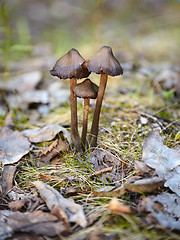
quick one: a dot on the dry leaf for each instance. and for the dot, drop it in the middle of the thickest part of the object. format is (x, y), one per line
(57, 146)
(17, 205)
(116, 207)
(7, 178)
(37, 222)
(146, 185)
(54, 199)
(165, 208)
(165, 161)
(46, 133)
(13, 145)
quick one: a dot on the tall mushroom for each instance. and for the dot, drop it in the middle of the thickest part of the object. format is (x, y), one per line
(87, 90)
(70, 66)
(104, 63)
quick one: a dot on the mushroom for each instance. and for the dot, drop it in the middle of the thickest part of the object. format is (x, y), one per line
(87, 90)
(70, 66)
(104, 63)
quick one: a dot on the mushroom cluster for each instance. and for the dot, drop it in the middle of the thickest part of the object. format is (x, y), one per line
(73, 66)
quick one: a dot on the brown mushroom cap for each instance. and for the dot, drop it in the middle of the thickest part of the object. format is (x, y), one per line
(105, 62)
(70, 66)
(86, 89)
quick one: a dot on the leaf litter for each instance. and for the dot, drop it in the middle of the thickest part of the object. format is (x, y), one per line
(104, 163)
(13, 146)
(46, 133)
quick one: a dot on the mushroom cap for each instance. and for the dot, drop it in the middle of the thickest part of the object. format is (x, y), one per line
(70, 66)
(86, 89)
(105, 62)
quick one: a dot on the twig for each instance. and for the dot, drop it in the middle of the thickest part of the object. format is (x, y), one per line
(99, 172)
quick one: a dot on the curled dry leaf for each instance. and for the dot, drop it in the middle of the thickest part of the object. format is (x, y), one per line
(13, 145)
(54, 199)
(146, 185)
(116, 207)
(163, 160)
(165, 208)
(57, 146)
(36, 222)
(133, 184)
(46, 133)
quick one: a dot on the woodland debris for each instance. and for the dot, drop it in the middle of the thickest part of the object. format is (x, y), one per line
(17, 205)
(46, 133)
(165, 208)
(164, 161)
(116, 207)
(57, 146)
(7, 178)
(37, 222)
(54, 200)
(13, 146)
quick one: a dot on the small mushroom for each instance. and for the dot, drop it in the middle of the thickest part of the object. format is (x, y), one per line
(87, 90)
(104, 63)
(70, 66)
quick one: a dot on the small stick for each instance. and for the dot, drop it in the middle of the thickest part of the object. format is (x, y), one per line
(99, 172)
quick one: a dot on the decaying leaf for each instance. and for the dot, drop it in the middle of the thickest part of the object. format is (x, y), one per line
(54, 199)
(7, 178)
(100, 159)
(17, 205)
(13, 145)
(165, 208)
(116, 207)
(163, 160)
(57, 146)
(46, 133)
(133, 184)
(38, 222)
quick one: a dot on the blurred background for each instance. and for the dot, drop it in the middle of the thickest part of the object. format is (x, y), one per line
(144, 36)
(138, 29)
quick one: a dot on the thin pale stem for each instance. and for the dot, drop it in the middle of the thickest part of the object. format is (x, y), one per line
(74, 122)
(95, 122)
(85, 122)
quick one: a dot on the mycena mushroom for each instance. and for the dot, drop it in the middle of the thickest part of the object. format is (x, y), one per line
(104, 63)
(70, 66)
(87, 90)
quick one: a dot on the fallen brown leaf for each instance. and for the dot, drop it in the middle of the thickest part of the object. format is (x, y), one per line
(165, 208)
(17, 205)
(57, 146)
(54, 199)
(46, 133)
(38, 222)
(116, 207)
(13, 145)
(7, 178)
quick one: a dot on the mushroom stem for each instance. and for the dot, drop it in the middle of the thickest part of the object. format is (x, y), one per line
(74, 123)
(95, 122)
(85, 122)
